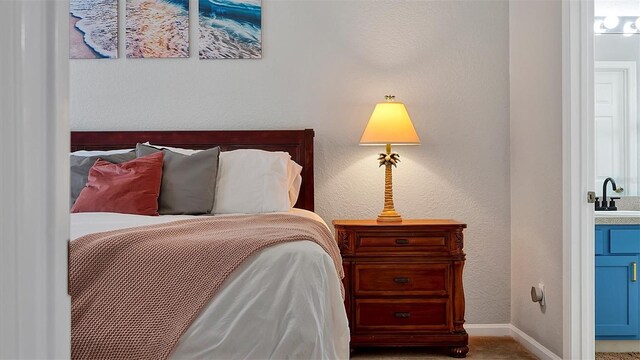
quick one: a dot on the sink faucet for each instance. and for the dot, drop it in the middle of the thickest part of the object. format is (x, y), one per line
(612, 203)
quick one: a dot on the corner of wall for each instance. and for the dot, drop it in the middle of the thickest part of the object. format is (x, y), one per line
(535, 151)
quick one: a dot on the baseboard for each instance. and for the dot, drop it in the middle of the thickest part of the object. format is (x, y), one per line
(617, 345)
(488, 329)
(509, 330)
(532, 345)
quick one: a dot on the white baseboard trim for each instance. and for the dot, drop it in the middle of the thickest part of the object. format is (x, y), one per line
(488, 329)
(532, 345)
(617, 345)
(509, 330)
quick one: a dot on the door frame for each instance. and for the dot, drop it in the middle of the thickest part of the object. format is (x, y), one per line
(578, 178)
(35, 307)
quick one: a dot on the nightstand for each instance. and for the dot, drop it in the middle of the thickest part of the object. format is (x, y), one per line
(403, 283)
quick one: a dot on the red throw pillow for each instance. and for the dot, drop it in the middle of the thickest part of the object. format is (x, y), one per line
(130, 187)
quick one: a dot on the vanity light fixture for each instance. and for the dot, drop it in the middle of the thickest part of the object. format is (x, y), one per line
(389, 124)
(611, 22)
(628, 30)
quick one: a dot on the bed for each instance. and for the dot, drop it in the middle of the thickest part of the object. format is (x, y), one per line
(284, 301)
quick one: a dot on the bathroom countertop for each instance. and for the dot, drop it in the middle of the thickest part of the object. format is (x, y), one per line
(618, 220)
(625, 204)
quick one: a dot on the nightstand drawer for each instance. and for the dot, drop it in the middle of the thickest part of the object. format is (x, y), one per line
(390, 243)
(402, 279)
(401, 314)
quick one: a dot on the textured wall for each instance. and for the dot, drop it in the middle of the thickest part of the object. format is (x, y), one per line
(325, 65)
(536, 167)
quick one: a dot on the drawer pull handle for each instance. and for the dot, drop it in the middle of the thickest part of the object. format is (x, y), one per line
(401, 280)
(402, 241)
(634, 270)
(402, 315)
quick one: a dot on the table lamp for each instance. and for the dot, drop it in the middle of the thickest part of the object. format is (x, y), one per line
(389, 124)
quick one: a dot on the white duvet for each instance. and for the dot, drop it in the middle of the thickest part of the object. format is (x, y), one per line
(282, 303)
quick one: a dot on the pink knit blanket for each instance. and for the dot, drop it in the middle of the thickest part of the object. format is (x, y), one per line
(135, 291)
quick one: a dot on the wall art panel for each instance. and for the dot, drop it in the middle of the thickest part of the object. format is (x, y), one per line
(230, 29)
(93, 29)
(157, 29)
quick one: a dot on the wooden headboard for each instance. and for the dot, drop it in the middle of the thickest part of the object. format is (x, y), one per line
(298, 143)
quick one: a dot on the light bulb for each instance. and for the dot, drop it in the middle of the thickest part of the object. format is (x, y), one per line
(627, 29)
(611, 21)
(598, 28)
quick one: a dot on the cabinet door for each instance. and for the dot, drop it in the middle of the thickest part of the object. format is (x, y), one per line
(616, 296)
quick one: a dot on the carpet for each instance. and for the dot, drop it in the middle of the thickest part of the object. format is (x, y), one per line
(480, 347)
(618, 356)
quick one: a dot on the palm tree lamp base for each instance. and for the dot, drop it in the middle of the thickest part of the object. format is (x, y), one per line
(388, 213)
(383, 217)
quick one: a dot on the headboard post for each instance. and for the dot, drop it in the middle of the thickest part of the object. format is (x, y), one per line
(298, 143)
(307, 172)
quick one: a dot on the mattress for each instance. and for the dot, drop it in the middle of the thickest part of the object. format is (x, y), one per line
(284, 302)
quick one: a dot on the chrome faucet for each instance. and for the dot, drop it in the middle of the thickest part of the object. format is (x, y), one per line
(612, 203)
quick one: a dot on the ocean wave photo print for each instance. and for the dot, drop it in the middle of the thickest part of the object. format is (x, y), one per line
(157, 28)
(230, 29)
(93, 29)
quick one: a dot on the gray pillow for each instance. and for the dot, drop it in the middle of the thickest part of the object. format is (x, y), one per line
(80, 166)
(188, 181)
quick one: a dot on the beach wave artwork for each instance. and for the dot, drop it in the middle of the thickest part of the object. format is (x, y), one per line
(157, 29)
(93, 29)
(230, 29)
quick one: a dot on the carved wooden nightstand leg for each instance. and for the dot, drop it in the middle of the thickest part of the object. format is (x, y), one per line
(458, 351)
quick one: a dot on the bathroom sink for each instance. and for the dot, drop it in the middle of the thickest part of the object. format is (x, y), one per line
(617, 214)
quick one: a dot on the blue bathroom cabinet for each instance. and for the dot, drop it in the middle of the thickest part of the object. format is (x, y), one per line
(617, 291)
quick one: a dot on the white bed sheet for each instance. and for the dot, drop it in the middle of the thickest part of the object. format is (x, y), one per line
(282, 303)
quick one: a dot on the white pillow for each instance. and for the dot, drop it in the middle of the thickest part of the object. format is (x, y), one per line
(295, 181)
(174, 149)
(252, 181)
(100, 152)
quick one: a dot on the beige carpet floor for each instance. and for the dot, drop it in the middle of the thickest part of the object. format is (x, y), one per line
(480, 347)
(618, 356)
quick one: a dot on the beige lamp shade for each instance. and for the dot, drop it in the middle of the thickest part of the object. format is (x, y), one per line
(389, 124)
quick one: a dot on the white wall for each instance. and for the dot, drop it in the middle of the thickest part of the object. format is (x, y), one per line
(325, 65)
(536, 167)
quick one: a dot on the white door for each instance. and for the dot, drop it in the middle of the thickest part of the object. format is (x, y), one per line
(616, 125)
(609, 131)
